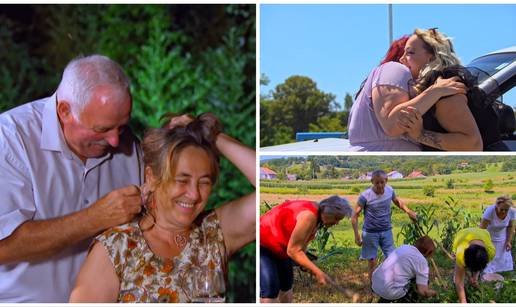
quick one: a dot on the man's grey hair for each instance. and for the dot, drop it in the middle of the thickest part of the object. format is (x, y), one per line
(83, 74)
(379, 172)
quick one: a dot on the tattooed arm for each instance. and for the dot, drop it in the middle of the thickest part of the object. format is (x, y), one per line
(455, 117)
(430, 138)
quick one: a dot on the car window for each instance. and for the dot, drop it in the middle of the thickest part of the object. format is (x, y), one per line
(509, 98)
(490, 64)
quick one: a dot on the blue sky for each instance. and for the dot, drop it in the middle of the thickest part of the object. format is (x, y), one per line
(337, 45)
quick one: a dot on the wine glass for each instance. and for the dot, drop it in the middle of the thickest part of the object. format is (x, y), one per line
(208, 285)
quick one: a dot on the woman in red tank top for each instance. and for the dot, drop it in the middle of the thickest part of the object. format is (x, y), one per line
(285, 232)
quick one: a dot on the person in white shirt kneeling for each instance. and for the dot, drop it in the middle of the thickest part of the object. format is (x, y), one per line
(392, 279)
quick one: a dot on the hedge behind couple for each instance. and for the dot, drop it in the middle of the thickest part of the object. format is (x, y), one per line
(421, 98)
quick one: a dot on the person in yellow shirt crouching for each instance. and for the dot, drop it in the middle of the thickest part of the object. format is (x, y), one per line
(473, 249)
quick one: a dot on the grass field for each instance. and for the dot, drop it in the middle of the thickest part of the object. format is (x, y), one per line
(467, 189)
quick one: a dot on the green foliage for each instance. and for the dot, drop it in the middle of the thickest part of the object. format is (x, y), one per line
(456, 219)
(341, 260)
(356, 165)
(270, 132)
(509, 166)
(19, 80)
(321, 239)
(450, 183)
(69, 32)
(440, 168)
(355, 190)
(302, 171)
(450, 221)
(165, 79)
(348, 102)
(487, 292)
(330, 172)
(294, 105)
(335, 122)
(282, 174)
(302, 189)
(319, 246)
(266, 204)
(426, 221)
(429, 191)
(241, 278)
(488, 186)
(264, 80)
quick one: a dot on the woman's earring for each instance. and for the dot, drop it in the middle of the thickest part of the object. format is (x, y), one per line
(152, 204)
(144, 193)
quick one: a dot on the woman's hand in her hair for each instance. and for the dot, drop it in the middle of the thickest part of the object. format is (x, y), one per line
(450, 86)
(180, 121)
(411, 121)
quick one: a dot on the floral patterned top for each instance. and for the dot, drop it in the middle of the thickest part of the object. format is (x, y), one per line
(146, 277)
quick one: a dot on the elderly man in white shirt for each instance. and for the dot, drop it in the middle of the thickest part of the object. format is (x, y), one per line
(391, 280)
(70, 169)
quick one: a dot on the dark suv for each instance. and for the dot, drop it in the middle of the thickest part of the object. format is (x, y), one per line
(496, 73)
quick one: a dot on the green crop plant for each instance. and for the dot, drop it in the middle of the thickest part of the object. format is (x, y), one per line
(450, 184)
(426, 221)
(457, 219)
(429, 191)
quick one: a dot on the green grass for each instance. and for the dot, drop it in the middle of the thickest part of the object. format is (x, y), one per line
(463, 182)
(351, 273)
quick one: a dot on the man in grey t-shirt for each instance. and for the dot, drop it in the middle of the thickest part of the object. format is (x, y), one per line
(376, 230)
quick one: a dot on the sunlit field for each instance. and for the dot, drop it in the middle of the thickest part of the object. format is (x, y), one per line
(444, 203)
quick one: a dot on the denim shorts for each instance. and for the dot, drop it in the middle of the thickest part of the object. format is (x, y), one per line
(275, 274)
(372, 240)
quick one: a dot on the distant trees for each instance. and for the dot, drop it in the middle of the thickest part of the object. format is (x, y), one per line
(331, 167)
(509, 166)
(348, 102)
(298, 105)
(330, 172)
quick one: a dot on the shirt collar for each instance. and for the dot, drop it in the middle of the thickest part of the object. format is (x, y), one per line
(52, 128)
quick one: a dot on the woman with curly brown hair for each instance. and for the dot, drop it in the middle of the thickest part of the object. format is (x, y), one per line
(156, 258)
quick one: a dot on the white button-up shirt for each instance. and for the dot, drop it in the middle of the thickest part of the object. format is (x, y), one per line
(40, 178)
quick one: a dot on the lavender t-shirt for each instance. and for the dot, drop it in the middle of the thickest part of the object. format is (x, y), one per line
(365, 132)
(377, 209)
